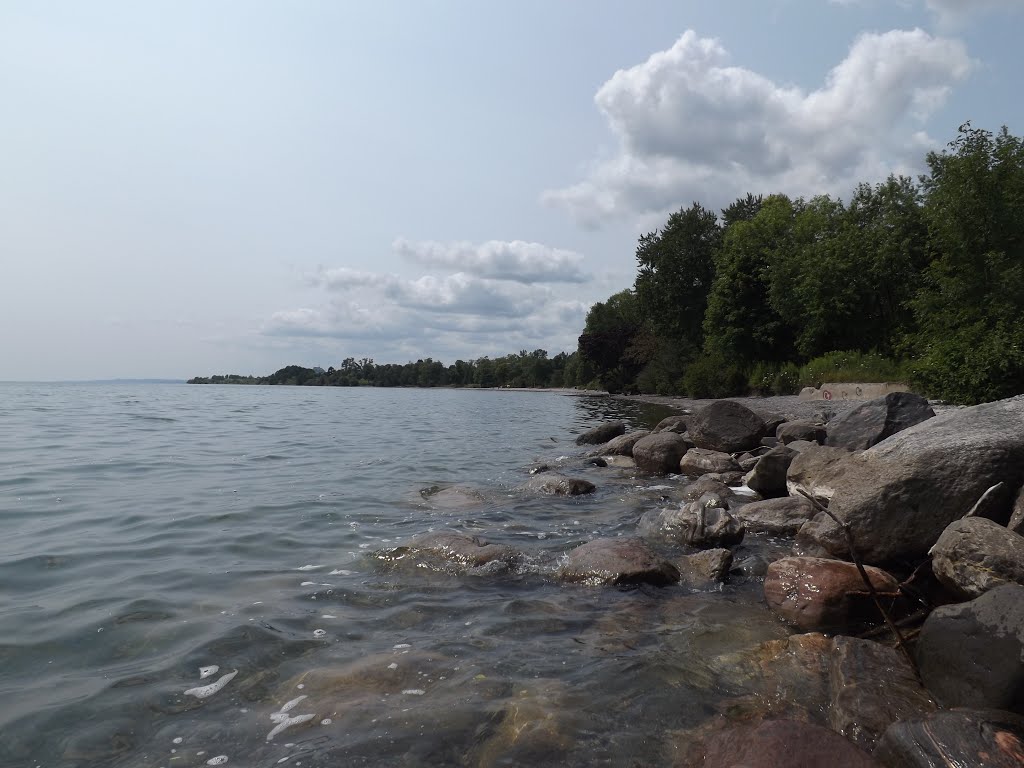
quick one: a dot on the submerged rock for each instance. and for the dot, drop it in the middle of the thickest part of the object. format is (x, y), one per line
(448, 551)
(776, 743)
(875, 420)
(965, 738)
(617, 561)
(972, 654)
(559, 485)
(602, 433)
(538, 725)
(814, 593)
(453, 497)
(660, 453)
(727, 426)
(973, 555)
(701, 523)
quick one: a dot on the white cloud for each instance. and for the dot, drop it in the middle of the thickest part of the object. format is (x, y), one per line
(692, 127)
(515, 260)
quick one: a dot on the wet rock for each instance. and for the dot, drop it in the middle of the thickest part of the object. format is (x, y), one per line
(898, 496)
(448, 551)
(700, 461)
(538, 468)
(1016, 523)
(617, 561)
(453, 497)
(733, 479)
(598, 461)
(701, 523)
(768, 477)
(965, 738)
(782, 516)
(873, 421)
(788, 743)
(677, 424)
(537, 726)
(973, 555)
(816, 471)
(972, 654)
(872, 687)
(621, 462)
(621, 445)
(705, 568)
(706, 484)
(727, 426)
(602, 433)
(815, 593)
(660, 453)
(801, 429)
(559, 485)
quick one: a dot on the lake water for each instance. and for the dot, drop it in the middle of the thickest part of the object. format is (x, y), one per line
(153, 532)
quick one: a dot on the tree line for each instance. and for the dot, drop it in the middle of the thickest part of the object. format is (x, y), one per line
(919, 280)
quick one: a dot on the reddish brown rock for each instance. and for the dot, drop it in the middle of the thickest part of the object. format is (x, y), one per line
(814, 593)
(788, 743)
(617, 561)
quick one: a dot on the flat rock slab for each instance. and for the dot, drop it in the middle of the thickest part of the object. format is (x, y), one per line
(974, 555)
(727, 426)
(972, 654)
(617, 561)
(780, 517)
(873, 686)
(964, 738)
(815, 593)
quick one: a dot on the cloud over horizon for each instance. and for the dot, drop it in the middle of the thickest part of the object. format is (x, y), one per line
(690, 126)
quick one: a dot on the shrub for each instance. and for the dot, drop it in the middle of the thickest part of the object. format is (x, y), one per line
(714, 376)
(975, 365)
(839, 367)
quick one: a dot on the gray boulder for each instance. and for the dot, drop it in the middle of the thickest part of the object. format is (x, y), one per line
(617, 561)
(782, 516)
(727, 426)
(768, 477)
(1016, 523)
(602, 433)
(660, 453)
(870, 423)
(706, 568)
(972, 654)
(973, 555)
(621, 445)
(872, 686)
(707, 484)
(817, 471)
(964, 738)
(800, 429)
(448, 551)
(898, 496)
(700, 461)
(701, 523)
(559, 485)
(677, 424)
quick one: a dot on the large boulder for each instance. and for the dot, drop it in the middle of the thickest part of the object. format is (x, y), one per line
(707, 484)
(788, 743)
(898, 496)
(676, 424)
(1016, 523)
(873, 686)
(817, 594)
(621, 445)
(972, 654)
(964, 738)
(617, 561)
(782, 516)
(559, 485)
(873, 421)
(700, 461)
(800, 429)
(701, 523)
(727, 426)
(973, 555)
(660, 453)
(817, 471)
(602, 433)
(768, 477)
(706, 568)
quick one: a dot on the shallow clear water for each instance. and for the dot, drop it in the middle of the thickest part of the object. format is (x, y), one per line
(153, 531)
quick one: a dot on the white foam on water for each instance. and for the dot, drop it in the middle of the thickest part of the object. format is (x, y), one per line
(283, 722)
(743, 490)
(327, 616)
(308, 584)
(177, 740)
(289, 706)
(392, 665)
(218, 760)
(205, 672)
(309, 567)
(413, 692)
(326, 721)
(340, 572)
(399, 646)
(205, 691)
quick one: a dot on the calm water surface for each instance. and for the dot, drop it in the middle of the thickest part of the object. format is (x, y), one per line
(153, 532)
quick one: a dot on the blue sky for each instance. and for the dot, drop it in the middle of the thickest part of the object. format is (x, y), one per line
(203, 187)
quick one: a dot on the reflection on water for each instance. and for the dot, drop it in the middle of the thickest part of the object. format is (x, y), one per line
(188, 577)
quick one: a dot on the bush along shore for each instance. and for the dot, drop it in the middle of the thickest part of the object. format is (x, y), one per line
(897, 563)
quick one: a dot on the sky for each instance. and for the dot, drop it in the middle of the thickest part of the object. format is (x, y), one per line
(191, 187)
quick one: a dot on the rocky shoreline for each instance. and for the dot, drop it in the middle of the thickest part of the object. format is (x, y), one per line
(903, 584)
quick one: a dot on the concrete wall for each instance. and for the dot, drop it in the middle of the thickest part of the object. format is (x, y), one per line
(852, 391)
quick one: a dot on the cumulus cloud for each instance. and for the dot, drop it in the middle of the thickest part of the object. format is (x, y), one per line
(690, 126)
(515, 260)
(505, 297)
